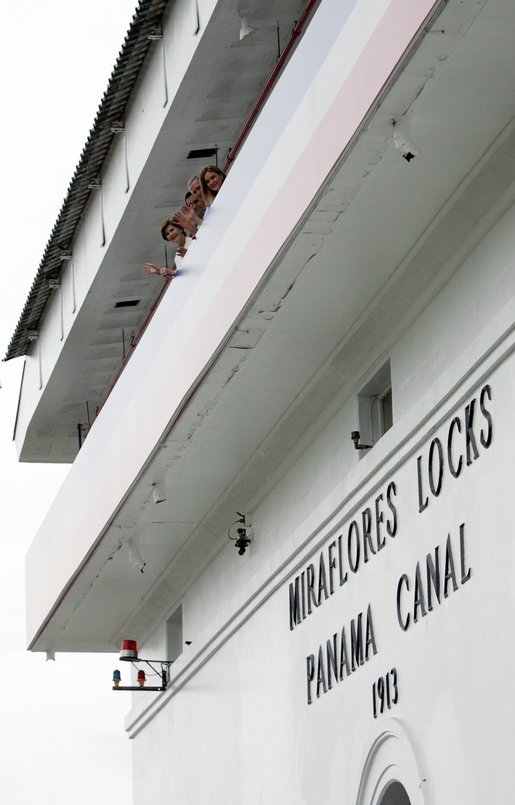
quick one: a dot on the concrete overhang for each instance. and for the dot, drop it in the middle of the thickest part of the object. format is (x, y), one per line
(210, 95)
(266, 329)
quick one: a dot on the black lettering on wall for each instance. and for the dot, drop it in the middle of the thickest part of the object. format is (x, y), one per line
(329, 666)
(332, 565)
(423, 502)
(310, 578)
(356, 641)
(343, 576)
(435, 487)
(454, 468)
(310, 674)
(403, 622)
(303, 588)
(419, 603)
(295, 601)
(440, 569)
(433, 577)
(321, 680)
(381, 540)
(486, 438)
(366, 535)
(344, 656)
(470, 439)
(391, 525)
(322, 580)
(450, 573)
(465, 574)
(332, 660)
(353, 535)
(459, 452)
(370, 641)
(366, 519)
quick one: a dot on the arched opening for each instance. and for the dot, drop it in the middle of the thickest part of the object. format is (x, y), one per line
(395, 794)
(391, 773)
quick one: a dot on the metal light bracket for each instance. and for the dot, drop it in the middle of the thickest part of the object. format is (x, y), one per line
(163, 672)
(240, 533)
(355, 436)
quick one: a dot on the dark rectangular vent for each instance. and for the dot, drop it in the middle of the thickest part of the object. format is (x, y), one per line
(128, 303)
(202, 153)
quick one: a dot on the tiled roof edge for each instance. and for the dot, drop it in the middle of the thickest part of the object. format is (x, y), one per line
(112, 108)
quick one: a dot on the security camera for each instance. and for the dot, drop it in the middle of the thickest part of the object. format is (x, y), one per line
(403, 142)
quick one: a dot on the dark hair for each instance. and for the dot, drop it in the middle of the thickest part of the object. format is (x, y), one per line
(169, 222)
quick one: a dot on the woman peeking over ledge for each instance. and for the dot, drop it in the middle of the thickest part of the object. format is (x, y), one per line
(173, 233)
(211, 179)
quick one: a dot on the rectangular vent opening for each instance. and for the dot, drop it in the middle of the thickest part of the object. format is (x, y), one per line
(128, 303)
(202, 153)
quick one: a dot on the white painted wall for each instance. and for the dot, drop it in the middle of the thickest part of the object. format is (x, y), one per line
(260, 205)
(236, 726)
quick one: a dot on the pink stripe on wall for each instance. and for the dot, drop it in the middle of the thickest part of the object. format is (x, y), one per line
(390, 40)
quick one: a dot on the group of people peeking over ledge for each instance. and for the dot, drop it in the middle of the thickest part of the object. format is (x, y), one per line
(182, 227)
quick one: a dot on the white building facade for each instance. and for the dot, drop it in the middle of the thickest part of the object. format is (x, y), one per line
(334, 362)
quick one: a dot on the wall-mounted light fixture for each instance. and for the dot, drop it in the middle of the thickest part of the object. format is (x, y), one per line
(402, 139)
(129, 653)
(245, 29)
(355, 435)
(158, 494)
(135, 556)
(240, 532)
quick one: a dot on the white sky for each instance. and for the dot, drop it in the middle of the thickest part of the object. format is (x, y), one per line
(61, 736)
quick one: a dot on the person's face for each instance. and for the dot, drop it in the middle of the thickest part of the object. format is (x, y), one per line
(195, 187)
(213, 181)
(196, 204)
(174, 235)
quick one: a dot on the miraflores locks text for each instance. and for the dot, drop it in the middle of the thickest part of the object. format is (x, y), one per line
(443, 571)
